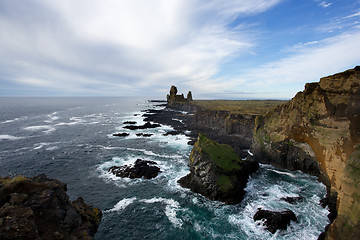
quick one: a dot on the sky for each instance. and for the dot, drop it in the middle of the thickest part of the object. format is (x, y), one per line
(218, 49)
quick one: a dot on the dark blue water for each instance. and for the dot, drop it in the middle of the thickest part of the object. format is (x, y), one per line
(71, 139)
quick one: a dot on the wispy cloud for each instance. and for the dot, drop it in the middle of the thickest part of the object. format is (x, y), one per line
(325, 4)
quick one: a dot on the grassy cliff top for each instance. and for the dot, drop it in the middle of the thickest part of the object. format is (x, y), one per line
(222, 155)
(253, 107)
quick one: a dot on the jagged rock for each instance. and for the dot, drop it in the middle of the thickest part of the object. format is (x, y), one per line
(141, 168)
(189, 96)
(217, 172)
(275, 220)
(174, 98)
(121, 134)
(318, 132)
(39, 208)
(145, 126)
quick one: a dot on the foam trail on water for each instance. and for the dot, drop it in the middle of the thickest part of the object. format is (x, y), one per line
(9, 137)
(171, 208)
(121, 205)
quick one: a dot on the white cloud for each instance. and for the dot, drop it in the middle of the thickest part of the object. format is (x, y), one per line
(309, 64)
(120, 43)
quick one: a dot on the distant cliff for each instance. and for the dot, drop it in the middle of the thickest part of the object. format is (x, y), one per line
(318, 132)
(173, 98)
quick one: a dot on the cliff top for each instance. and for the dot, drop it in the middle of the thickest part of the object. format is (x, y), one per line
(252, 107)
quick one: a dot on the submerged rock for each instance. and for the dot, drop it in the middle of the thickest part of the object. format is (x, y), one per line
(293, 200)
(275, 220)
(141, 168)
(217, 172)
(39, 208)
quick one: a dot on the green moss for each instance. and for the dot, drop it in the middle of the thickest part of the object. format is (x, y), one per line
(8, 181)
(222, 155)
(224, 182)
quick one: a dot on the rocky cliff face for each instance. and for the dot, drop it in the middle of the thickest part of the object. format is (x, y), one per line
(318, 132)
(39, 208)
(174, 98)
(217, 172)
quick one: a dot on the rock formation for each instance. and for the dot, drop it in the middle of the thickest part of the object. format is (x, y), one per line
(174, 98)
(318, 132)
(217, 172)
(39, 208)
(141, 168)
(275, 220)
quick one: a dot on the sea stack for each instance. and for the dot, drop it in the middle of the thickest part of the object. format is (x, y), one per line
(217, 172)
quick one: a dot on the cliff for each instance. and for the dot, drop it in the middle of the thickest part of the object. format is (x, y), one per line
(173, 98)
(318, 132)
(39, 208)
(217, 172)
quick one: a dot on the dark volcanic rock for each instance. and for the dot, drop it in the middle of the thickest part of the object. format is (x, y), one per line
(217, 172)
(129, 122)
(275, 220)
(39, 208)
(121, 134)
(141, 168)
(145, 126)
(173, 133)
(144, 134)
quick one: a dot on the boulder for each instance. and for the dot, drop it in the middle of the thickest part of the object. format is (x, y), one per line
(217, 172)
(275, 220)
(39, 208)
(141, 168)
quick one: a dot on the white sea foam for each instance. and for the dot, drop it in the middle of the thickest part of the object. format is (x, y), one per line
(10, 137)
(121, 205)
(284, 173)
(11, 120)
(171, 209)
(43, 128)
(38, 146)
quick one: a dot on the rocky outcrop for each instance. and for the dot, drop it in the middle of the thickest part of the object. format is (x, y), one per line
(217, 172)
(174, 98)
(147, 125)
(275, 220)
(318, 132)
(141, 168)
(39, 208)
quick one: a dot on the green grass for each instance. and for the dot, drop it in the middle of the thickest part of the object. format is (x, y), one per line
(252, 107)
(222, 155)
(224, 182)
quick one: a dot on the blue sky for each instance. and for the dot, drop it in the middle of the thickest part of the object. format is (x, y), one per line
(245, 49)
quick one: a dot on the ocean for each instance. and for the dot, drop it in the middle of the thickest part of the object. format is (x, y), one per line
(71, 139)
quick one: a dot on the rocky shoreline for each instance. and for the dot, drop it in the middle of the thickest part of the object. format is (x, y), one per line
(39, 208)
(316, 132)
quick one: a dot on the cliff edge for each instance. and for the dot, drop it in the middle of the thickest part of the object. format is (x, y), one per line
(318, 132)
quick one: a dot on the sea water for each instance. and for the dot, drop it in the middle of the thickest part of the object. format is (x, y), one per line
(71, 139)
